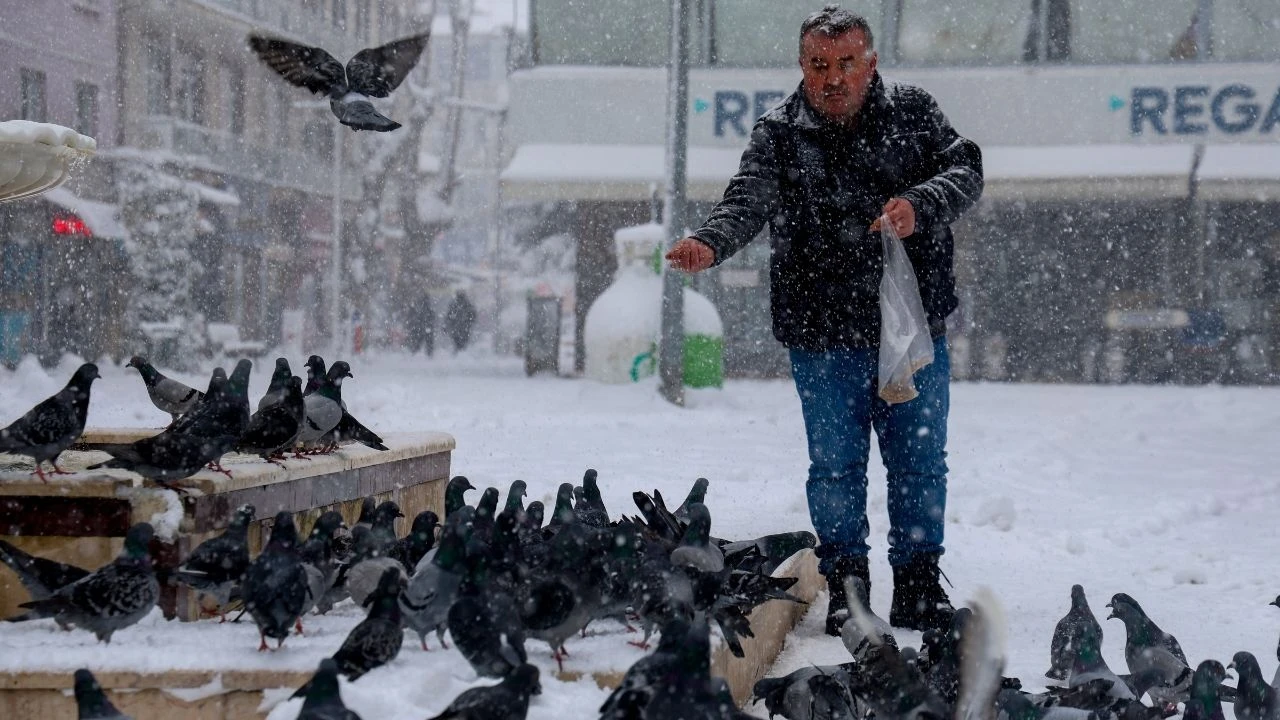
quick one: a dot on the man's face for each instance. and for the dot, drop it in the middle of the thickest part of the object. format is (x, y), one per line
(837, 72)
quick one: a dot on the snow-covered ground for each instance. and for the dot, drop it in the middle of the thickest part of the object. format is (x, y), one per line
(1170, 494)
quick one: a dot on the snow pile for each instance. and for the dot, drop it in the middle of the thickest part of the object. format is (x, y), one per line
(30, 133)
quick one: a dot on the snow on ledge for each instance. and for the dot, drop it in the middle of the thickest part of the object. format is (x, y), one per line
(31, 133)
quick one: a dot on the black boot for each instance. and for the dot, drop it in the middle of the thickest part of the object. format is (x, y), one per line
(919, 602)
(838, 609)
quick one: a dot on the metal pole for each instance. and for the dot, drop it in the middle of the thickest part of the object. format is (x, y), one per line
(335, 259)
(671, 350)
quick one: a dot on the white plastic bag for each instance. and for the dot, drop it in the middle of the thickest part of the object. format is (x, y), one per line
(905, 345)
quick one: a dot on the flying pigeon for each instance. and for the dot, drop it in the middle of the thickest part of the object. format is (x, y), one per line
(167, 394)
(91, 701)
(372, 73)
(52, 426)
(324, 702)
(217, 564)
(115, 597)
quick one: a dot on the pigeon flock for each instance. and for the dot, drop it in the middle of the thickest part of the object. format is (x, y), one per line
(206, 425)
(494, 578)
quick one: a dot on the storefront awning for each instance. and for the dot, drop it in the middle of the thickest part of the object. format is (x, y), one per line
(1240, 172)
(1087, 172)
(539, 172)
(542, 172)
(102, 218)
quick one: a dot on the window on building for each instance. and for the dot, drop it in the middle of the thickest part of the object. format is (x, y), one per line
(233, 98)
(1134, 31)
(87, 109)
(339, 16)
(157, 75)
(1246, 31)
(190, 91)
(977, 32)
(35, 105)
(613, 32)
(766, 33)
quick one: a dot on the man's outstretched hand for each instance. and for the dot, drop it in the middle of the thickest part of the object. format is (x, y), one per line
(901, 214)
(691, 255)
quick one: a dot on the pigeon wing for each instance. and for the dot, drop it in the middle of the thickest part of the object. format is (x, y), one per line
(50, 421)
(310, 67)
(377, 71)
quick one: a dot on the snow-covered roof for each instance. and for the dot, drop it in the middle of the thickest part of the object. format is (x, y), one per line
(25, 131)
(102, 218)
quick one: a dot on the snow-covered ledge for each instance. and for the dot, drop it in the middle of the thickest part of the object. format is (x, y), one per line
(35, 157)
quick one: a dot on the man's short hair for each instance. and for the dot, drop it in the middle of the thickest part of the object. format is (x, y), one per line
(834, 21)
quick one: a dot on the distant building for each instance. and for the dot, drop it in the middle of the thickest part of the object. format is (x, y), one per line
(1132, 163)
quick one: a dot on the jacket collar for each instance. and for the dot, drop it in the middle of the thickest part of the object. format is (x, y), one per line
(802, 115)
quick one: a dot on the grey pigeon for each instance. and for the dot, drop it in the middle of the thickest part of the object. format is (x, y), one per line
(41, 577)
(508, 700)
(274, 588)
(280, 378)
(697, 494)
(435, 583)
(1089, 668)
(273, 429)
(376, 640)
(114, 597)
(1204, 702)
(454, 493)
(863, 625)
(1255, 699)
(167, 457)
(321, 563)
(53, 425)
(217, 564)
(1066, 632)
(323, 699)
(169, 395)
(1151, 652)
(324, 408)
(810, 693)
(372, 73)
(91, 701)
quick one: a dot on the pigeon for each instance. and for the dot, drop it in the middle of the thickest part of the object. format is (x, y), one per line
(1140, 631)
(315, 374)
(453, 494)
(224, 409)
(696, 550)
(276, 390)
(697, 494)
(1204, 702)
(52, 426)
(274, 428)
(1066, 633)
(1151, 652)
(435, 582)
(486, 630)
(411, 548)
(274, 588)
(372, 73)
(647, 675)
(508, 700)
(595, 514)
(166, 457)
(41, 577)
(863, 625)
(810, 693)
(324, 407)
(167, 394)
(319, 560)
(1255, 699)
(217, 564)
(515, 497)
(1089, 668)
(110, 599)
(91, 701)
(377, 639)
(323, 700)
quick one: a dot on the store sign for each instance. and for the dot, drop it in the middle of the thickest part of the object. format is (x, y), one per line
(735, 111)
(1234, 109)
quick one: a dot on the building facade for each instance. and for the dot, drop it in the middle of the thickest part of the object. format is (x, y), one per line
(1130, 227)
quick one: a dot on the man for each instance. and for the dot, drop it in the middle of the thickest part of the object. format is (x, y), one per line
(842, 154)
(459, 319)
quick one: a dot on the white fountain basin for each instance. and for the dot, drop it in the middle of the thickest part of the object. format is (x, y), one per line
(35, 157)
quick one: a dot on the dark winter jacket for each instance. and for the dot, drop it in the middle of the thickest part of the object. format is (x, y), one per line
(819, 186)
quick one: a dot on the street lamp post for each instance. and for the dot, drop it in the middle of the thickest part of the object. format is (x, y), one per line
(671, 344)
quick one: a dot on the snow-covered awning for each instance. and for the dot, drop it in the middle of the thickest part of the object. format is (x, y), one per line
(102, 218)
(1240, 172)
(539, 172)
(1087, 172)
(629, 172)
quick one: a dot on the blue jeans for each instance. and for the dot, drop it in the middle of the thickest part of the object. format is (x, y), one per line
(838, 399)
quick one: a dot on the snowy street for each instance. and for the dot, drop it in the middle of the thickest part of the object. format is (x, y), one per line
(1167, 493)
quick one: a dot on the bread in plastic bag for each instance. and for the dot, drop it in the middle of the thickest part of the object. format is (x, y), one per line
(905, 345)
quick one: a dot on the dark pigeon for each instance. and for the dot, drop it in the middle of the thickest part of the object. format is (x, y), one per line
(167, 457)
(697, 494)
(351, 429)
(315, 374)
(274, 588)
(320, 560)
(167, 394)
(323, 700)
(595, 514)
(324, 409)
(39, 576)
(486, 630)
(411, 548)
(53, 425)
(377, 639)
(372, 73)
(695, 549)
(112, 598)
(435, 583)
(454, 493)
(273, 429)
(1204, 702)
(1067, 632)
(280, 378)
(810, 693)
(508, 700)
(1151, 652)
(217, 564)
(1255, 699)
(91, 701)
(515, 497)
